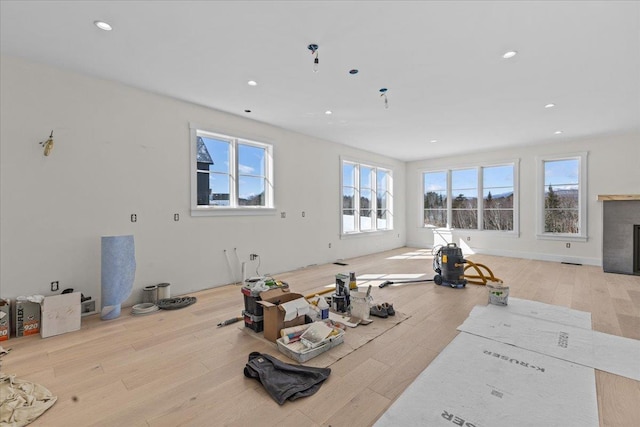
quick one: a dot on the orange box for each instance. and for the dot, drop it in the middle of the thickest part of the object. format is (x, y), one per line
(27, 318)
(5, 316)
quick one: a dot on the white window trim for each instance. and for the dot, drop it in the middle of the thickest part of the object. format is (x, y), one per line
(583, 236)
(200, 210)
(516, 198)
(356, 206)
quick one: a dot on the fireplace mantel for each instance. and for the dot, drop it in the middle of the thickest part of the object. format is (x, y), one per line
(618, 197)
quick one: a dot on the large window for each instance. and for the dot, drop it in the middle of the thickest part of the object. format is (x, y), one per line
(497, 197)
(435, 198)
(367, 198)
(464, 202)
(479, 198)
(230, 174)
(561, 197)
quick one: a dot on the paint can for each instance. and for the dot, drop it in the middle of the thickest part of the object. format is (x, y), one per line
(498, 294)
(339, 303)
(150, 294)
(164, 291)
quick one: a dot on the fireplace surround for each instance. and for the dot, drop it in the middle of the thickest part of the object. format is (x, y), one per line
(621, 234)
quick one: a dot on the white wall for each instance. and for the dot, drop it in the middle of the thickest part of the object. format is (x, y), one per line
(120, 151)
(613, 168)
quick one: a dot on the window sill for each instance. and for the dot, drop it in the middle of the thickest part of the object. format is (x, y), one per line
(562, 237)
(357, 234)
(222, 211)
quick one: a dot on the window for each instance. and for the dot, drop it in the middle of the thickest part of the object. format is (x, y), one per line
(497, 198)
(230, 174)
(367, 198)
(561, 197)
(435, 199)
(479, 198)
(464, 202)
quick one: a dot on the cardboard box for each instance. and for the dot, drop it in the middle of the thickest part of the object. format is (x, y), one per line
(27, 318)
(60, 314)
(282, 309)
(5, 316)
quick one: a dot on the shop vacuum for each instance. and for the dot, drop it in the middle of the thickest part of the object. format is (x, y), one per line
(448, 263)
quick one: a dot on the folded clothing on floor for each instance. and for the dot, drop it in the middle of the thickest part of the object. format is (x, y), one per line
(284, 381)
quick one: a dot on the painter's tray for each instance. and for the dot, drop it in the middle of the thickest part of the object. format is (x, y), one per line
(297, 351)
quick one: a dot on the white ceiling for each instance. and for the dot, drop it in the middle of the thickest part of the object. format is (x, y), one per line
(440, 60)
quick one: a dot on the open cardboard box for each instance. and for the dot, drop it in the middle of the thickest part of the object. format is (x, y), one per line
(282, 309)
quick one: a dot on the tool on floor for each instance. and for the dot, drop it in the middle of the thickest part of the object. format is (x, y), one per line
(230, 321)
(448, 263)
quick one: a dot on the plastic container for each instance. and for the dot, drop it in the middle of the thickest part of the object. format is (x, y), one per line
(324, 308)
(360, 305)
(298, 352)
(498, 294)
(255, 323)
(251, 305)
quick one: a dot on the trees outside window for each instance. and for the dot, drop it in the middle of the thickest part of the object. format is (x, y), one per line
(479, 198)
(562, 189)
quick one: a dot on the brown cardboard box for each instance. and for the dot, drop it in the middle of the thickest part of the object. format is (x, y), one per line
(60, 314)
(275, 302)
(27, 318)
(5, 316)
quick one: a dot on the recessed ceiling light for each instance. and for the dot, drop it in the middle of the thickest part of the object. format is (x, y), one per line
(328, 112)
(434, 140)
(102, 25)
(252, 83)
(558, 132)
(353, 71)
(247, 111)
(509, 54)
(550, 105)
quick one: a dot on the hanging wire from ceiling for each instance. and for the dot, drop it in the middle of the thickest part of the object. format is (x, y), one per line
(314, 51)
(383, 93)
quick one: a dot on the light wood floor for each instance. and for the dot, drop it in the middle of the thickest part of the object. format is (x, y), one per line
(177, 368)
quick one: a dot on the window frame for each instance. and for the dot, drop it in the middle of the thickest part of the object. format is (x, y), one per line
(375, 168)
(515, 164)
(234, 208)
(583, 235)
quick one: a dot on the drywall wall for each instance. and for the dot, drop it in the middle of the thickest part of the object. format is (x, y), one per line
(612, 169)
(121, 151)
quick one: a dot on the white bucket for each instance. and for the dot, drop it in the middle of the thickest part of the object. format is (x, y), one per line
(498, 294)
(360, 305)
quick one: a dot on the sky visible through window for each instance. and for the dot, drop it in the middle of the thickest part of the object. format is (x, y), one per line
(561, 174)
(466, 180)
(251, 161)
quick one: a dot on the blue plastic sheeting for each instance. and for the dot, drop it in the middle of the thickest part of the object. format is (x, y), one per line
(118, 273)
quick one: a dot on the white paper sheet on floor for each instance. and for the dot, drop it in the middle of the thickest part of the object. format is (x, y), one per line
(478, 382)
(610, 353)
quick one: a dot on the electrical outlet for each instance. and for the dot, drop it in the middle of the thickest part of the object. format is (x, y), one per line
(329, 245)
(55, 286)
(283, 214)
(176, 217)
(568, 245)
(303, 214)
(134, 217)
(468, 238)
(252, 257)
